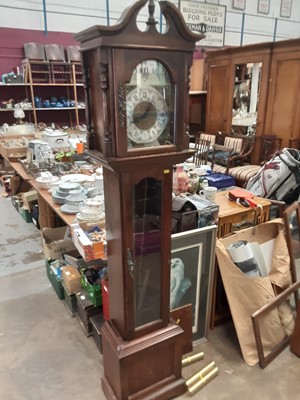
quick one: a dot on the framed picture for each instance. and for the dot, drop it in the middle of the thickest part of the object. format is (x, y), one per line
(286, 8)
(239, 4)
(192, 262)
(263, 6)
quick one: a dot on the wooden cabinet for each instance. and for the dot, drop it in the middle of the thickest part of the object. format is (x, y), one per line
(267, 76)
(219, 95)
(283, 106)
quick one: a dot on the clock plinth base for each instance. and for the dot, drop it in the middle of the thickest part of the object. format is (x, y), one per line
(145, 368)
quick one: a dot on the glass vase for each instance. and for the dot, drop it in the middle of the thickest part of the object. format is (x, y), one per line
(180, 180)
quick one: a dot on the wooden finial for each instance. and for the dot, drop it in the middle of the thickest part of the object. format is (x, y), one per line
(151, 9)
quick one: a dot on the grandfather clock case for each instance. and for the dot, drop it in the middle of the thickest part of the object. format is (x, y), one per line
(137, 88)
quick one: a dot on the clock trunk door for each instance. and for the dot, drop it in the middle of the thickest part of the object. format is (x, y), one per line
(148, 248)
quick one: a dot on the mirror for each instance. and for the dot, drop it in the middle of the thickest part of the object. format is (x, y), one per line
(246, 97)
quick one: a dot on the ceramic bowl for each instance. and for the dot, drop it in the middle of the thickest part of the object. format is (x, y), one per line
(46, 183)
(74, 178)
(75, 197)
(66, 187)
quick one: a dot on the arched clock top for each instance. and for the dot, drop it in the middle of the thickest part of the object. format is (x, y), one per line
(113, 36)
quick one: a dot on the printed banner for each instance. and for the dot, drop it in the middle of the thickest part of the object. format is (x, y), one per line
(205, 18)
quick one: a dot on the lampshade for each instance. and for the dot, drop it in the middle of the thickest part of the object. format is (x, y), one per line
(19, 113)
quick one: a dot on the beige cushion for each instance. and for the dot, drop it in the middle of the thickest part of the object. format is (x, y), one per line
(244, 173)
(210, 138)
(235, 143)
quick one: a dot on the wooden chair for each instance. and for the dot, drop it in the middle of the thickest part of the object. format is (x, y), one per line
(73, 56)
(294, 143)
(202, 147)
(35, 66)
(231, 153)
(221, 156)
(60, 69)
(269, 144)
(209, 136)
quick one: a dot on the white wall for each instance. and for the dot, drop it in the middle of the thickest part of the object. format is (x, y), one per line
(76, 15)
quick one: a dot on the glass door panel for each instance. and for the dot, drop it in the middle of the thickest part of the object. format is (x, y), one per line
(147, 207)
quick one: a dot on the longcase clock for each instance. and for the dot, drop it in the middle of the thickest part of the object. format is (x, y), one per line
(137, 87)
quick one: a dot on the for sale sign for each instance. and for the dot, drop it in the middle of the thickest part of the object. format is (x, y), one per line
(205, 18)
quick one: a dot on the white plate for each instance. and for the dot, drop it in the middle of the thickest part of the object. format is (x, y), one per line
(65, 208)
(76, 178)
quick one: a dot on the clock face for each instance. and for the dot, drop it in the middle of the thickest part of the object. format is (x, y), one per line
(147, 115)
(149, 106)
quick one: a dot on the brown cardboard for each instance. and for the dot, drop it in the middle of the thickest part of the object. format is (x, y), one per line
(71, 278)
(88, 250)
(8, 151)
(55, 244)
(246, 295)
(28, 197)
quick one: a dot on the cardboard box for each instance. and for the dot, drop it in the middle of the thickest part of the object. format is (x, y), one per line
(193, 212)
(56, 242)
(72, 257)
(28, 198)
(208, 211)
(89, 250)
(72, 279)
(9, 148)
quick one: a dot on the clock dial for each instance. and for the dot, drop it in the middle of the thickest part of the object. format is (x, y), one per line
(147, 115)
(149, 106)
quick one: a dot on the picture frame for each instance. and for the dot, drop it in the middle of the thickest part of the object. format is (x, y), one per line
(217, 2)
(291, 217)
(192, 262)
(286, 8)
(239, 4)
(258, 318)
(263, 6)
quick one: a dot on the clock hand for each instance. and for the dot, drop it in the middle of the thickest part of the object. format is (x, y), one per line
(143, 116)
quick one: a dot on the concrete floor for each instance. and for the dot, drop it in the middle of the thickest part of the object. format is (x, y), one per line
(44, 353)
